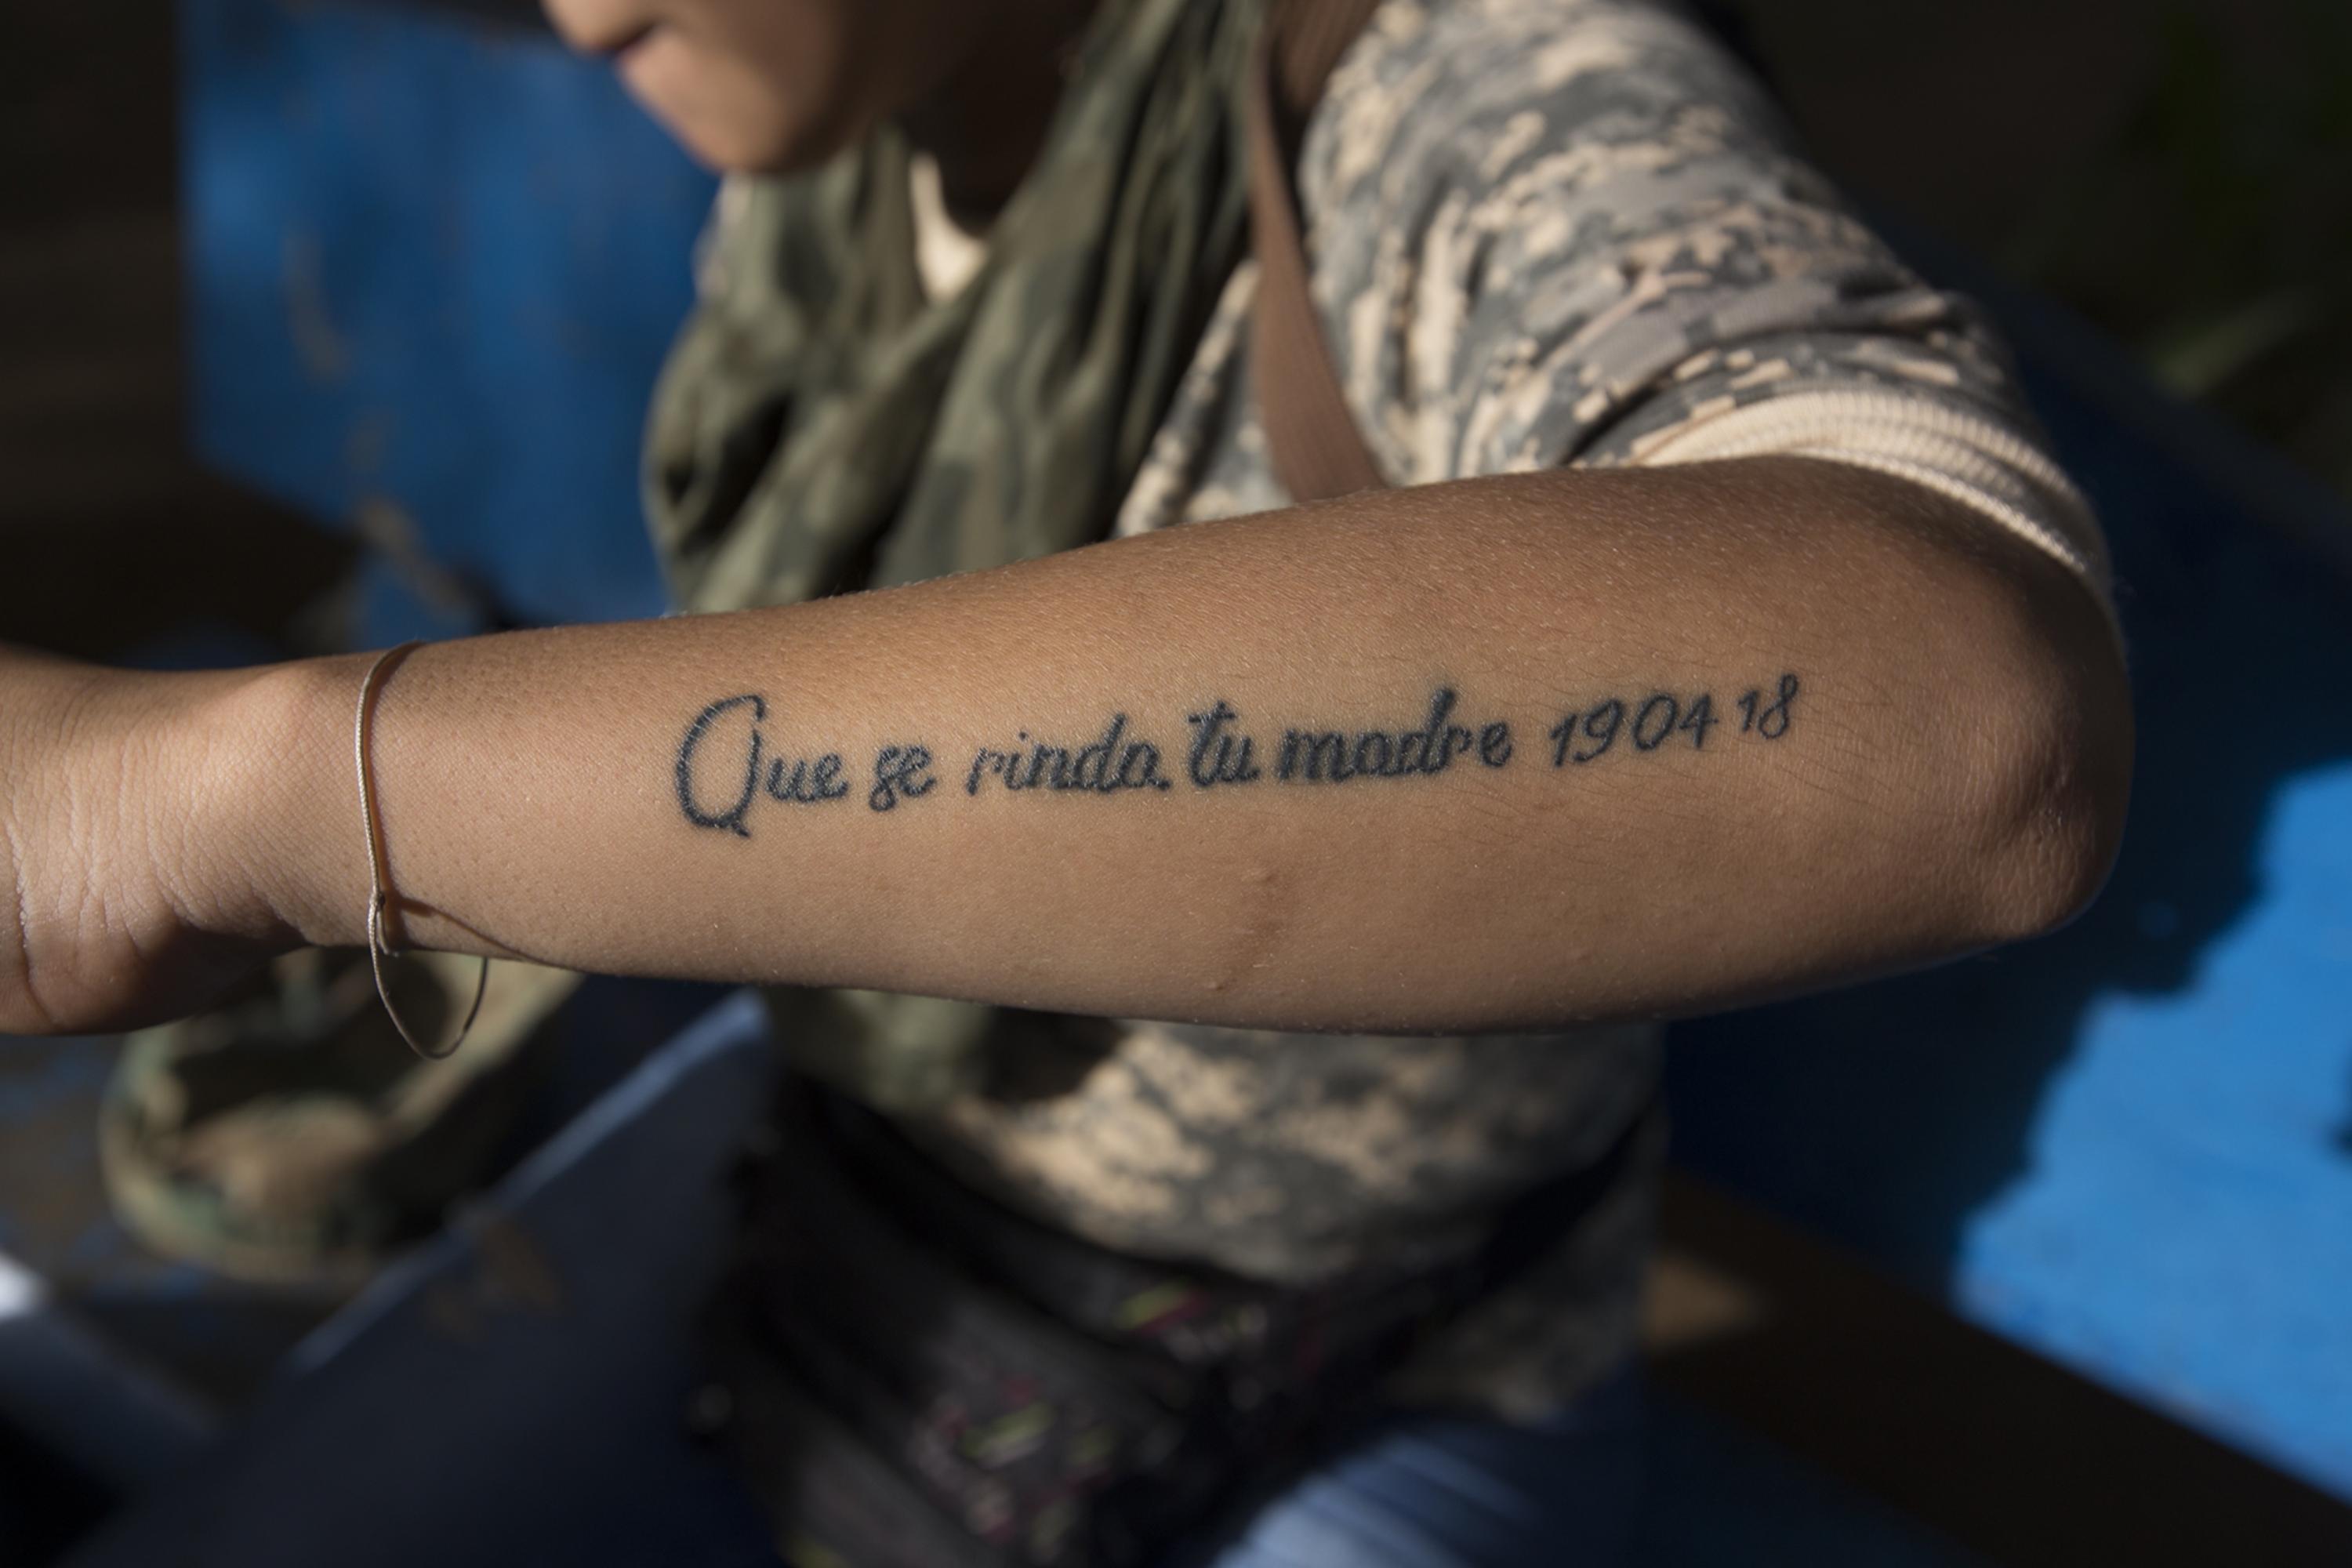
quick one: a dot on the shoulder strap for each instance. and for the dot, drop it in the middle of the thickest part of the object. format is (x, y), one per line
(1313, 440)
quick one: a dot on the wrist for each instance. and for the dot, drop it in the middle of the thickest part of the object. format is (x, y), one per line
(270, 847)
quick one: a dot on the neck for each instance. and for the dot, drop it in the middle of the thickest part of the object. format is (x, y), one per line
(986, 121)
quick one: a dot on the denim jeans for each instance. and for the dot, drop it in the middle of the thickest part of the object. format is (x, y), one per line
(1431, 1491)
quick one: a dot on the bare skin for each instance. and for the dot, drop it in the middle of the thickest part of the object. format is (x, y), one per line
(1915, 743)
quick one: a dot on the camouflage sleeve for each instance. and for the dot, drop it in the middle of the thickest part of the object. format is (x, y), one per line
(1551, 231)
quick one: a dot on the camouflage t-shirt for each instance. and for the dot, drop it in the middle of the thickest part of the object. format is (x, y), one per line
(1541, 232)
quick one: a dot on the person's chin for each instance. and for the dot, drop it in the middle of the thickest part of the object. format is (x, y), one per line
(729, 126)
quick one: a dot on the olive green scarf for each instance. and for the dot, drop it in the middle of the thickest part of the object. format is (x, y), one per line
(821, 425)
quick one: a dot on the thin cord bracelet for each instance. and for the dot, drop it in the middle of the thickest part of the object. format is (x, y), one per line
(379, 873)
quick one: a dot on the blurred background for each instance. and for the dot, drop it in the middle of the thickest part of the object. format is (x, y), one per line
(329, 324)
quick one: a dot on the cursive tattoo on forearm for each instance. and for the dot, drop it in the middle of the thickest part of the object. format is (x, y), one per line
(733, 755)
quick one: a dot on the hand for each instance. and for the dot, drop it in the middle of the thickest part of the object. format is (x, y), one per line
(123, 900)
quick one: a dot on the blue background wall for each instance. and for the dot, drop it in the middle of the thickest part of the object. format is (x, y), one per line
(432, 268)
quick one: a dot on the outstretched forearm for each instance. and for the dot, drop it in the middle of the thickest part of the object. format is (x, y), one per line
(1557, 747)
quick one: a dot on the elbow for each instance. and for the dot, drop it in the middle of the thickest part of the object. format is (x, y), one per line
(2053, 852)
(2052, 771)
